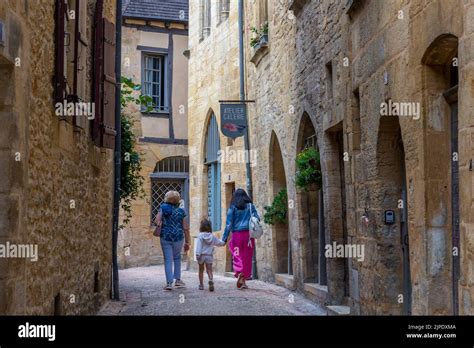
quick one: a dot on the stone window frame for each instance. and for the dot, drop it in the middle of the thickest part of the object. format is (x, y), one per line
(71, 76)
(205, 22)
(223, 11)
(260, 18)
(164, 55)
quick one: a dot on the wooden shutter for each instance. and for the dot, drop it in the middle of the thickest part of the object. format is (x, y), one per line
(60, 33)
(80, 59)
(108, 131)
(98, 67)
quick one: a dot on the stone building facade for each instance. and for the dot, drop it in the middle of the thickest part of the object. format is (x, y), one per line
(154, 55)
(213, 76)
(57, 169)
(396, 183)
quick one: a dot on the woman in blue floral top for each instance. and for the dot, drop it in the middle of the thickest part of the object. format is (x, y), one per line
(174, 234)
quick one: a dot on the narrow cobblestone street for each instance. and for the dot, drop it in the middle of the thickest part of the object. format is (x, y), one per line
(142, 294)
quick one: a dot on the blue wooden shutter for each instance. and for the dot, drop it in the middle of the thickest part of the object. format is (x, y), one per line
(213, 174)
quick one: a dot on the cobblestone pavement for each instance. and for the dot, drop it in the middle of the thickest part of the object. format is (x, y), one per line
(142, 294)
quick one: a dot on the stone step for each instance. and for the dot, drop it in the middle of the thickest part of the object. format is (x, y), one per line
(316, 292)
(338, 310)
(285, 280)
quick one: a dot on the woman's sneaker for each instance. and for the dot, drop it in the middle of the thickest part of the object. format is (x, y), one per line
(168, 287)
(179, 283)
(211, 285)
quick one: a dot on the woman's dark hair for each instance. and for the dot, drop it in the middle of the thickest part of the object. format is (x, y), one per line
(240, 199)
(205, 226)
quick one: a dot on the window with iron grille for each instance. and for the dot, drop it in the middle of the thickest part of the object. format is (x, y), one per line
(154, 81)
(168, 176)
(173, 165)
(158, 191)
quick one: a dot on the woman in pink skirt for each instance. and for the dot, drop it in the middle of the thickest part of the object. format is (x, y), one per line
(241, 245)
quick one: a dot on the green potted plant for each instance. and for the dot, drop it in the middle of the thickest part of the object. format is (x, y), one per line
(255, 40)
(264, 34)
(308, 169)
(277, 211)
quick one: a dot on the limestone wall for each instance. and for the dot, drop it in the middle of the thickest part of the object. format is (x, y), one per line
(60, 195)
(137, 246)
(213, 76)
(339, 65)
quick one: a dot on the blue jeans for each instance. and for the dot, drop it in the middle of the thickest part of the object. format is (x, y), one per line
(172, 254)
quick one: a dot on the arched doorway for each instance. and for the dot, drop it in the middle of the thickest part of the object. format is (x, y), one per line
(310, 202)
(213, 169)
(392, 186)
(281, 242)
(441, 154)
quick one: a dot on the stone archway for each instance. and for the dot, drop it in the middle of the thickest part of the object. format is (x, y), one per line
(390, 199)
(440, 99)
(280, 231)
(311, 222)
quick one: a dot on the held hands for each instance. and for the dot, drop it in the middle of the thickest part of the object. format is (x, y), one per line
(186, 247)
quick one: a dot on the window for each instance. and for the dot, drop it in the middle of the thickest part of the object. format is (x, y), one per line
(170, 174)
(71, 44)
(72, 80)
(158, 192)
(356, 131)
(204, 19)
(329, 81)
(262, 12)
(154, 80)
(224, 10)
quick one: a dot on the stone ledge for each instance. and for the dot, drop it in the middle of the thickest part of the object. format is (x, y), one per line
(338, 310)
(285, 280)
(258, 54)
(316, 292)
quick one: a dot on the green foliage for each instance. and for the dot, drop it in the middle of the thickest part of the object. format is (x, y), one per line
(254, 41)
(131, 182)
(308, 170)
(258, 33)
(277, 212)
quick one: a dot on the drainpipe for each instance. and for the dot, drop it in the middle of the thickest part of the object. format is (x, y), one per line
(246, 134)
(118, 148)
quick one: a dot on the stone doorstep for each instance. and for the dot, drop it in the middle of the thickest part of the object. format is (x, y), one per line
(285, 280)
(316, 292)
(338, 310)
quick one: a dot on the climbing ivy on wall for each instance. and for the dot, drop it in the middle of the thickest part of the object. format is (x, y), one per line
(131, 181)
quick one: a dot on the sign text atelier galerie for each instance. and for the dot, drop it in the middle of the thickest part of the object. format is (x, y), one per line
(233, 120)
